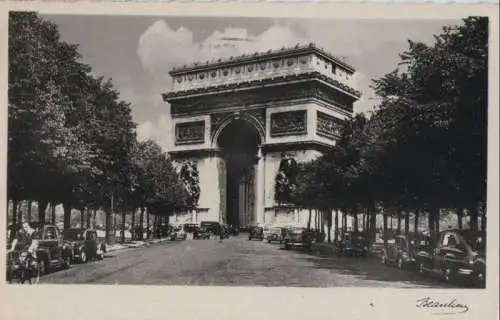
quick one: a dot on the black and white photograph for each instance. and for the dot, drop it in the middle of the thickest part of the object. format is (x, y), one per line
(236, 151)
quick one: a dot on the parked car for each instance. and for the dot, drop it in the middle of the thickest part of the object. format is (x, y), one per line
(353, 243)
(190, 227)
(298, 237)
(178, 234)
(256, 232)
(276, 235)
(201, 233)
(457, 256)
(84, 244)
(402, 249)
(51, 251)
(213, 227)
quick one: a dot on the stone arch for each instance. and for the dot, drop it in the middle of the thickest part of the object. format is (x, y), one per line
(250, 119)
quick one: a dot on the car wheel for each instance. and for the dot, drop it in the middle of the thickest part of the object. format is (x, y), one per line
(480, 279)
(269, 241)
(67, 261)
(42, 268)
(447, 274)
(421, 268)
(83, 256)
(400, 263)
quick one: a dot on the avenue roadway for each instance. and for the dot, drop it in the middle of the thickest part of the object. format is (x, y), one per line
(236, 262)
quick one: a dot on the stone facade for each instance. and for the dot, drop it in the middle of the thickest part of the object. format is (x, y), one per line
(295, 99)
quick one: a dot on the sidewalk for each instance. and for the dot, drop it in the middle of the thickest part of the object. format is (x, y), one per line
(134, 244)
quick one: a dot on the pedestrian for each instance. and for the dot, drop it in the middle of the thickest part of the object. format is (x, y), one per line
(221, 234)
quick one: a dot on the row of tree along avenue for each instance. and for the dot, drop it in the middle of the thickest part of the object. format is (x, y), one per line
(72, 141)
(422, 152)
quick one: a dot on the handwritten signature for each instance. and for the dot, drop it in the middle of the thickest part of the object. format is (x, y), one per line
(439, 307)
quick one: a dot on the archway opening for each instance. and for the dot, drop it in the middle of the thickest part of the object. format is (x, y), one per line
(238, 143)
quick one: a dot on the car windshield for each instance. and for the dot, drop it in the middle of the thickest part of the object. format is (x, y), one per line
(73, 234)
(477, 240)
(297, 230)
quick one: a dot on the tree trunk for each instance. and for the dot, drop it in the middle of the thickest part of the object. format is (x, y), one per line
(309, 219)
(355, 215)
(385, 229)
(42, 206)
(108, 218)
(124, 215)
(344, 222)
(322, 220)
(66, 215)
(399, 221)
(141, 224)
(437, 220)
(88, 218)
(373, 221)
(147, 225)
(432, 224)
(473, 219)
(20, 212)
(94, 217)
(407, 221)
(132, 223)
(329, 225)
(30, 204)
(391, 222)
(415, 226)
(460, 216)
(82, 217)
(53, 213)
(336, 235)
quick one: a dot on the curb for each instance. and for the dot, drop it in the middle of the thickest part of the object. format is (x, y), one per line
(136, 245)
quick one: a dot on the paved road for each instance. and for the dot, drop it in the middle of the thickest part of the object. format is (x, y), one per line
(237, 262)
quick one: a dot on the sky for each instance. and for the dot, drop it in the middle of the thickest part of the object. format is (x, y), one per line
(137, 52)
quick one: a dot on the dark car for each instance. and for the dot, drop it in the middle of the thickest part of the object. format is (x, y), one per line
(298, 237)
(402, 249)
(51, 251)
(84, 244)
(276, 235)
(190, 227)
(201, 233)
(353, 243)
(459, 255)
(256, 233)
(212, 227)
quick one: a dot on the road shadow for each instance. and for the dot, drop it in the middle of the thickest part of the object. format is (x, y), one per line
(370, 268)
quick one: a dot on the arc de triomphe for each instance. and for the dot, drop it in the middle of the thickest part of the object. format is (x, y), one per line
(237, 118)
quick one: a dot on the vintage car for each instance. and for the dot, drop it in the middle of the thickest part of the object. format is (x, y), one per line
(201, 233)
(276, 235)
(256, 232)
(212, 227)
(402, 249)
(190, 227)
(84, 244)
(298, 237)
(178, 234)
(51, 251)
(353, 243)
(459, 255)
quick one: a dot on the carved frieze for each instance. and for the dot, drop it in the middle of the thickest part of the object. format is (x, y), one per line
(288, 123)
(328, 126)
(190, 132)
(261, 96)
